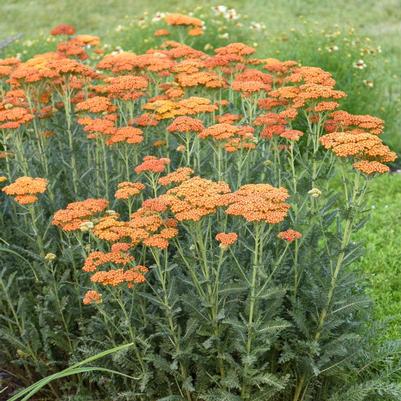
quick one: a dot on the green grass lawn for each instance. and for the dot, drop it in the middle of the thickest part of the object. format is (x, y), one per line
(379, 20)
(382, 239)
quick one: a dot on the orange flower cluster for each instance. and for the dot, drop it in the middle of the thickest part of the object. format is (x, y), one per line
(95, 126)
(195, 198)
(180, 175)
(228, 118)
(8, 65)
(130, 62)
(185, 125)
(129, 135)
(63, 29)
(26, 189)
(110, 228)
(128, 189)
(180, 19)
(251, 81)
(125, 87)
(97, 259)
(359, 145)
(144, 120)
(258, 203)
(343, 121)
(292, 134)
(165, 109)
(289, 235)
(208, 79)
(233, 137)
(371, 167)
(151, 164)
(50, 67)
(115, 277)
(154, 230)
(92, 297)
(13, 117)
(162, 32)
(96, 104)
(313, 95)
(77, 213)
(311, 75)
(226, 239)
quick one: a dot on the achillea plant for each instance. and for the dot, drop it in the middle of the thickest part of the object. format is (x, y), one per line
(201, 207)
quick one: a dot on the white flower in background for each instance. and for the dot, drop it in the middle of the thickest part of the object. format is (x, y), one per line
(219, 9)
(360, 64)
(227, 13)
(158, 17)
(257, 26)
(369, 83)
(224, 36)
(232, 14)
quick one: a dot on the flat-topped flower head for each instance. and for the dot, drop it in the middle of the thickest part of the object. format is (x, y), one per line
(25, 190)
(343, 121)
(97, 259)
(258, 203)
(358, 145)
(129, 135)
(96, 104)
(126, 189)
(115, 277)
(185, 125)
(76, 213)
(124, 87)
(152, 164)
(14, 117)
(232, 137)
(292, 134)
(92, 297)
(195, 198)
(175, 177)
(183, 20)
(371, 167)
(63, 29)
(226, 239)
(235, 48)
(289, 235)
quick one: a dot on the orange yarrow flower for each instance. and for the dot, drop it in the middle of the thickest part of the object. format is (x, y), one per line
(289, 235)
(77, 213)
(25, 189)
(152, 164)
(258, 203)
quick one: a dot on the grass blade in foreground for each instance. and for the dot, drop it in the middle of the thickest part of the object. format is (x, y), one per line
(77, 368)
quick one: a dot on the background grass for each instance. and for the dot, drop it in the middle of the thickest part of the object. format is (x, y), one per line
(302, 30)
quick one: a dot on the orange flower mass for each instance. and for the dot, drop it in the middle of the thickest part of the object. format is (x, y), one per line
(226, 239)
(289, 235)
(26, 189)
(258, 203)
(128, 189)
(152, 164)
(195, 198)
(92, 297)
(185, 124)
(76, 213)
(177, 176)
